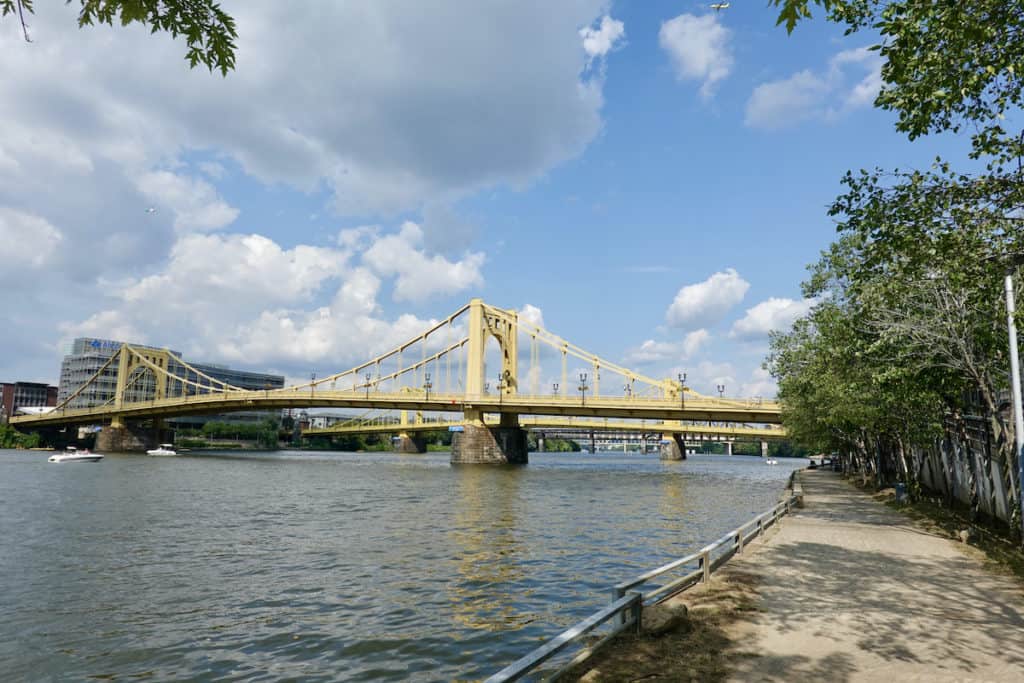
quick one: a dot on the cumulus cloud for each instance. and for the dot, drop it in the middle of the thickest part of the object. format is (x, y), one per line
(248, 299)
(597, 42)
(698, 48)
(412, 104)
(705, 303)
(195, 203)
(532, 315)
(28, 240)
(759, 384)
(652, 351)
(419, 275)
(770, 315)
(851, 80)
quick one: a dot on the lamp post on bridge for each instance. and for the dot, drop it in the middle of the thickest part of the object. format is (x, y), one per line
(367, 376)
(427, 384)
(499, 387)
(721, 389)
(312, 384)
(682, 390)
(554, 388)
(583, 388)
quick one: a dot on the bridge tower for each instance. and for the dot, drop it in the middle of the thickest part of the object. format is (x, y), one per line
(478, 443)
(132, 365)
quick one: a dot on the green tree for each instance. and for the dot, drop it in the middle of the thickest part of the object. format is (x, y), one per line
(209, 32)
(947, 66)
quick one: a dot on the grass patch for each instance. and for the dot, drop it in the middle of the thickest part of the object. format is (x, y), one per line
(695, 650)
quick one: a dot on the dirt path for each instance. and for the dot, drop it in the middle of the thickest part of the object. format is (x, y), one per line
(851, 591)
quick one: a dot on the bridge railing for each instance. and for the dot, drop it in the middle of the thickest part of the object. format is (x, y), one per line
(626, 608)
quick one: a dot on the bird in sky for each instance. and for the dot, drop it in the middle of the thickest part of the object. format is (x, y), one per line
(719, 6)
(150, 209)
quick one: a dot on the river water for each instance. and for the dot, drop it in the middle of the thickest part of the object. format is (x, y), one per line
(334, 566)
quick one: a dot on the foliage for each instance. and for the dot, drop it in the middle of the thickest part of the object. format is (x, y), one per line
(264, 433)
(209, 31)
(948, 66)
(12, 438)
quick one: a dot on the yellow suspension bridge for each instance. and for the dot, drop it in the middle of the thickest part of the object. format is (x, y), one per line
(441, 370)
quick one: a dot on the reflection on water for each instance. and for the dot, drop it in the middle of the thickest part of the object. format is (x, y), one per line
(484, 536)
(334, 566)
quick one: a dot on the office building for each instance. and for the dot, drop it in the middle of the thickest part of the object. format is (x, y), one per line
(14, 395)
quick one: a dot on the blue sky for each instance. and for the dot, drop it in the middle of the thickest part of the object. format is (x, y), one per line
(652, 176)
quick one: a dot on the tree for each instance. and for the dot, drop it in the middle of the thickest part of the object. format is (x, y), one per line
(947, 66)
(209, 31)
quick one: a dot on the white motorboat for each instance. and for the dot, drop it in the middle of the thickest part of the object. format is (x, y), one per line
(164, 449)
(72, 454)
(771, 461)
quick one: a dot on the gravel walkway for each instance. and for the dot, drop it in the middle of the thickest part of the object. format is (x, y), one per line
(852, 591)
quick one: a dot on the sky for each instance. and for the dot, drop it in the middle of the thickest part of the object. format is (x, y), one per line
(650, 179)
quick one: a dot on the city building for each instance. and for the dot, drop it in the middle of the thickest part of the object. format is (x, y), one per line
(88, 356)
(14, 395)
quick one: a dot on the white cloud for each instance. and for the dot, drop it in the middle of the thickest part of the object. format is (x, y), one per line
(771, 314)
(195, 203)
(247, 299)
(807, 95)
(412, 103)
(698, 48)
(28, 240)
(532, 315)
(705, 303)
(694, 341)
(652, 351)
(419, 275)
(760, 384)
(600, 41)
(706, 376)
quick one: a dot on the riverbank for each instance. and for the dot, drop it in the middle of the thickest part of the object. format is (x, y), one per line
(844, 590)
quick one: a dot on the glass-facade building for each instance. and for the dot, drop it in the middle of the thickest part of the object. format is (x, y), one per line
(89, 355)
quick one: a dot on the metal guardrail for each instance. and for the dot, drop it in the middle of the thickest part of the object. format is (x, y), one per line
(628, 604)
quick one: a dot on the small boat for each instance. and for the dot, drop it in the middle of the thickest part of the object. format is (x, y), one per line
(72, 454)
(164, 449)
(771, 461)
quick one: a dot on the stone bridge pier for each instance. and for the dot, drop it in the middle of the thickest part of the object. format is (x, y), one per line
(477, 443)
(411, 444)
(130, 437)
(674, 448)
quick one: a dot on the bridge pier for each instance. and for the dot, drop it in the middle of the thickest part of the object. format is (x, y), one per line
(764, 449)
(411, 444)
(479, 444)
(674, 449)
(728, 447)
(126, 438)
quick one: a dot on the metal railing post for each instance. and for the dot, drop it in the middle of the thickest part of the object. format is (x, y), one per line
(617, 594)
(705, 565)
(637, 611)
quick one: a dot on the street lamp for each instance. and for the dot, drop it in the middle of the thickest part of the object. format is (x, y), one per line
(554, 388)
(583, 388)
(367, 376)
(312, 384)
(499, 387)
(721, 389)
(682, 389)
(427, 384)
(628, 390)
